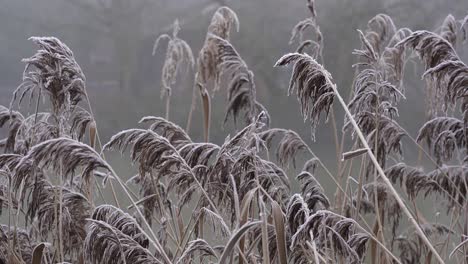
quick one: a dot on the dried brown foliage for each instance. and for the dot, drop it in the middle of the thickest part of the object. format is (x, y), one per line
(224, 19)
(15, 245)
(62, 155)
(445, 72)
(199, 202)
(413, 180)
(297, 33)
(178, 53)
(383, 133)
(74, 208)
(289, 146)
(332, 232)
(312, 84)
(411, 249)
(197, 247)
(106, 244)
(444, 136)
(53, 71)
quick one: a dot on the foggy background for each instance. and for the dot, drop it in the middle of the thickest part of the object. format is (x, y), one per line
(112, 41)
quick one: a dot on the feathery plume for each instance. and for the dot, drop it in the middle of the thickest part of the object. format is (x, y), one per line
(107, 244)
(313, 86)
(52, 70)
(198, 245)
(178, 52)
(444, 136)
(224, 19)
(64, 156)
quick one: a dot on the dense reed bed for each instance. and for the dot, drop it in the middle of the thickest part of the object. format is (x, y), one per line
(199, 202)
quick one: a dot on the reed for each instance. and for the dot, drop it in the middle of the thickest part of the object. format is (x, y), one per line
(199, 202)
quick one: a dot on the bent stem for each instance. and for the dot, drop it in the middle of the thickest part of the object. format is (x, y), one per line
(155, 242)
(100, 145)
(382, 173)
(167, 96)
(193, 106)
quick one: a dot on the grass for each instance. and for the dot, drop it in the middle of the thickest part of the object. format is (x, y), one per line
(199, 202)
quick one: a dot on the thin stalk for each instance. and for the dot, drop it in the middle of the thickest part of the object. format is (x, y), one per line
(100, 144)
(187, 234)
(155, 242)
(35, 115)
(421, 148)
(314, 248)
(265, 241)
(193, 106)
(347, 185)
(170, 236)
(60, 212)
(447, 240)
(371, 236)
(100, 193)
(360, 184)
(338, 146)
(168, 104)
(10, 207)
(465, 234)
(236, 199)
(379, 213)
(382, 174)
(327, 171)
(114, 195)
